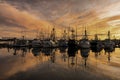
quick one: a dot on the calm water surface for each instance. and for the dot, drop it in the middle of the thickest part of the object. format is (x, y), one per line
(56, 64)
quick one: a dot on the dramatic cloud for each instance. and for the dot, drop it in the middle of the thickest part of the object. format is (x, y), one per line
(41, 14)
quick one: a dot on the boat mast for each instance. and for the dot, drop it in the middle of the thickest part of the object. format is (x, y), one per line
(23, 34)
(76, 32)
(69, 32)
(64, 35)
(73, 34)
(109, 34)
(96, 37)
(85, 36)
(53, 36)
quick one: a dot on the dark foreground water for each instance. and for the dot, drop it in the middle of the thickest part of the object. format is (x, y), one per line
(55, 64)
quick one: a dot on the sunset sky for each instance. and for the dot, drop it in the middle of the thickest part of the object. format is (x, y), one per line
(42, 15)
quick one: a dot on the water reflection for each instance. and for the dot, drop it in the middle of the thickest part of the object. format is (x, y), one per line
(71, 56)
(15, 51)
(63, 52)
(64, 58)
(85, 54)
(66, 53)
(36, 51)
(24, 51)
(47, 51)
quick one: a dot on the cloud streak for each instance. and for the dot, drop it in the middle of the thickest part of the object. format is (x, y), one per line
(41, 14)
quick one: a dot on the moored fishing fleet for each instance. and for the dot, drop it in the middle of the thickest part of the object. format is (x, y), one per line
(68, 39)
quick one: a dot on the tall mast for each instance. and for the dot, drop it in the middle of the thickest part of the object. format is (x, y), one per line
(23, 34)
(85, 32)
(48, 33)
(73, 34)
(69, 32)
(109, 34)
(76, 32)
(64, 35)
(53, 36)
(96, 35)
(85, 36)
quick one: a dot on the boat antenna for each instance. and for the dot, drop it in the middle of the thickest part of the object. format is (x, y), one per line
(69, 32)
(109, 33)
(76, 32)
(85, 33)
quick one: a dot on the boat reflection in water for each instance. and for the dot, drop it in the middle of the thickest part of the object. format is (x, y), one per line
(63, 52)
(23, 50)
(36, 51)
(48, 52)
(85, 53)
(72, 55)
(109, 46)
(42, 63)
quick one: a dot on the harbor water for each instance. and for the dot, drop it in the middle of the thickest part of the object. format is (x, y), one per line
(57, 64)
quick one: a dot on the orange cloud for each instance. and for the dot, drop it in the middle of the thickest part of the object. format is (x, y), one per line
(18, 20)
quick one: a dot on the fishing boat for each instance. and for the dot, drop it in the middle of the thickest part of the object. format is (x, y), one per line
(96, 44)
(84, 43)
(36, 43)
(63, 41)
(109, 45)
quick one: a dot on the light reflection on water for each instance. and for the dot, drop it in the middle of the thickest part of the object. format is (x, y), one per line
(29, 64)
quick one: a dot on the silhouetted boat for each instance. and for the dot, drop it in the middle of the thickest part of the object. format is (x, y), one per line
(36, 43)
(36, 51)
(96, 44)
(85, 53)
(84, 43)
(63, 41)
(109, 45)
(48, 43)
